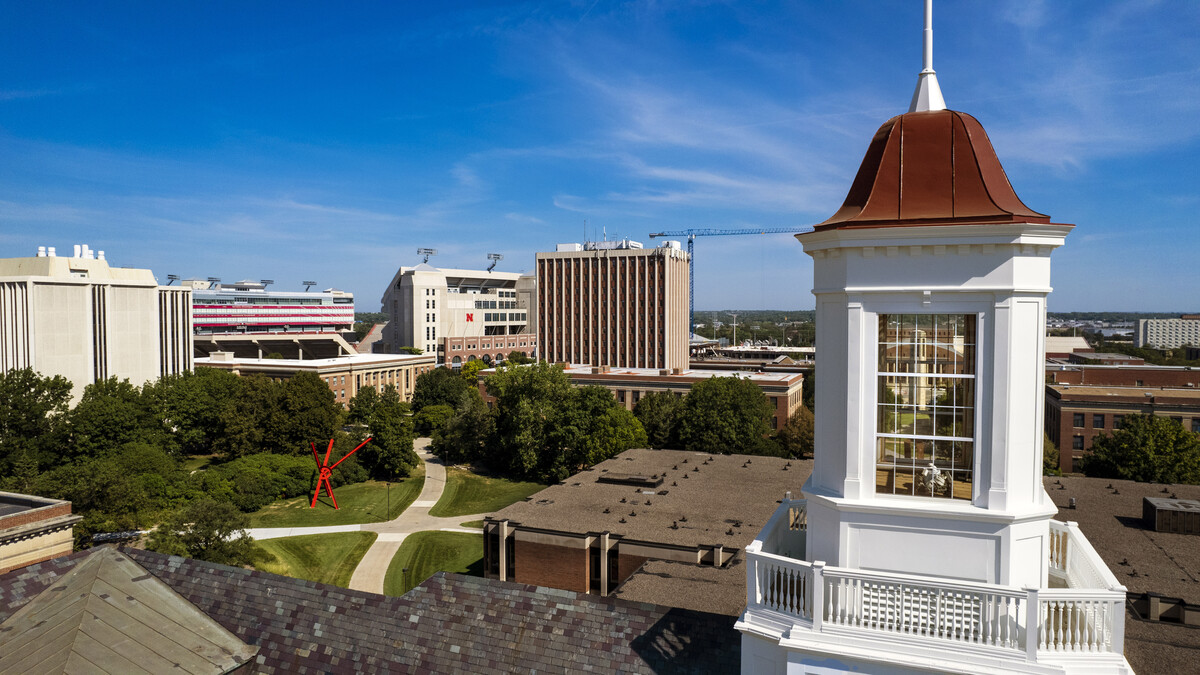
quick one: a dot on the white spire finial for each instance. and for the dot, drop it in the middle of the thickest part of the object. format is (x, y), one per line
(928, 95)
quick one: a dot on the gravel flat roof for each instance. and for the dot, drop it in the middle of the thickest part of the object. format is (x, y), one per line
(1111, 519)
(703, 588)
(724, 499)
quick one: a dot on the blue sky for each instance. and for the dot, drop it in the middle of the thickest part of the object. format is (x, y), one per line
(330, 140)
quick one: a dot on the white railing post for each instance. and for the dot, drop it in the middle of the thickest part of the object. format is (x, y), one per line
(818, 595)
(752, 575)
(1032, 624)
(1117, 621)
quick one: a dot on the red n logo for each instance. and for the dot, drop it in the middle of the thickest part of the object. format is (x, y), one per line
(470, 317)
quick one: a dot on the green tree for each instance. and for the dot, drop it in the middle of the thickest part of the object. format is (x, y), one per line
(527, 402)
(431, 418)
(390, 455)
(465, 436)
(110, 414)
(724, 415)
(518, 358)
(194, 406)
(255, 420)
(33, 414)
(470, 371)
(362, 406)
(808, 397)
(796, 437)
(660, 413)
(590, 427)
(439, 386)
(206, 530)
(1146, 448)
(411, 350)
(311, 411)
(1050, 457)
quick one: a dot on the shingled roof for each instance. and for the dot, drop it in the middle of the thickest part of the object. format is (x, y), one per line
(450, 623)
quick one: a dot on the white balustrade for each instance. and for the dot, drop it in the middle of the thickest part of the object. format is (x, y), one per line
(1086, 618)
(910, 605)
(783, 585)
(1079, 621)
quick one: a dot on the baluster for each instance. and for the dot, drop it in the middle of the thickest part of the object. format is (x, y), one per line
(1060, 629)
(793, 606)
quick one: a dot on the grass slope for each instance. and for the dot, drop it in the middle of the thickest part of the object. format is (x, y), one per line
(324, 558)
(468, 493)
(424, 553)
(359, 503)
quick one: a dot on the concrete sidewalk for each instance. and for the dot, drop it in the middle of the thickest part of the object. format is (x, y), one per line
(372, 569)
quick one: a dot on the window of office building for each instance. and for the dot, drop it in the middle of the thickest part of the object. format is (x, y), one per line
(926, 418)
(1097, 421)
(1077, 420)
(1118, 421)
(1077, 442)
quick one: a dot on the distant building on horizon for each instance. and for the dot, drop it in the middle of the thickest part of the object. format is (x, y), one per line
(80, 318)
(452, 313)
(1168, 333)
(614, 303)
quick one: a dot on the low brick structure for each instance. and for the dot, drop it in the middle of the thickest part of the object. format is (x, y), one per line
(591, 532)
(33, 529)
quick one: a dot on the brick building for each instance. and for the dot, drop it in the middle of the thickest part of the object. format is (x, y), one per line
(1122, 376)
(614, 304)
(591, 532)
(345, 375)
(1076, 414)
(33, 529)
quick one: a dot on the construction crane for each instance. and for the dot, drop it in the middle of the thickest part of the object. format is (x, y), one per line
(691, 235)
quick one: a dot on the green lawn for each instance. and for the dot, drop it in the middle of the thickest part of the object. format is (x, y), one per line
(424, 553)
(325, 558)
(197, 462)
(359, 503)
(472, 523)
(468, 493)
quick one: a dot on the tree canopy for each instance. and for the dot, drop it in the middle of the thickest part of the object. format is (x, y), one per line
(796, 437)
(727, 415)
(540, 428)
(438, 386)
(1146, 448)
(660, 414)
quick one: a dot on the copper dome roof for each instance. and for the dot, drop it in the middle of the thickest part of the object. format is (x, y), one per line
(931, 168)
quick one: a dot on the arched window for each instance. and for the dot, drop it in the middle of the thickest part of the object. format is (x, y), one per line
(456, 363)
(470, 358)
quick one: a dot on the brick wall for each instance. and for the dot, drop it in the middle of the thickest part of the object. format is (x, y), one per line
(627, 565)
(1125, 377)
(35, 515)
(553, 566)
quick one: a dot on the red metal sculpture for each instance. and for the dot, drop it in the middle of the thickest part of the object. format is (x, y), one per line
(326, 471)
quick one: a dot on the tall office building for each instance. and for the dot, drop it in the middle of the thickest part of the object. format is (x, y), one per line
(614, 303)
(79, 318)
(453, 313)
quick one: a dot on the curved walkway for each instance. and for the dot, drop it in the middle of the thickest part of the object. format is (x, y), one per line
(372, 569)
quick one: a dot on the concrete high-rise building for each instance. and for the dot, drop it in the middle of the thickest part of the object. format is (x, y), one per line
(1168, 333)
(82, 319)
(614, 303)
(442, 311)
